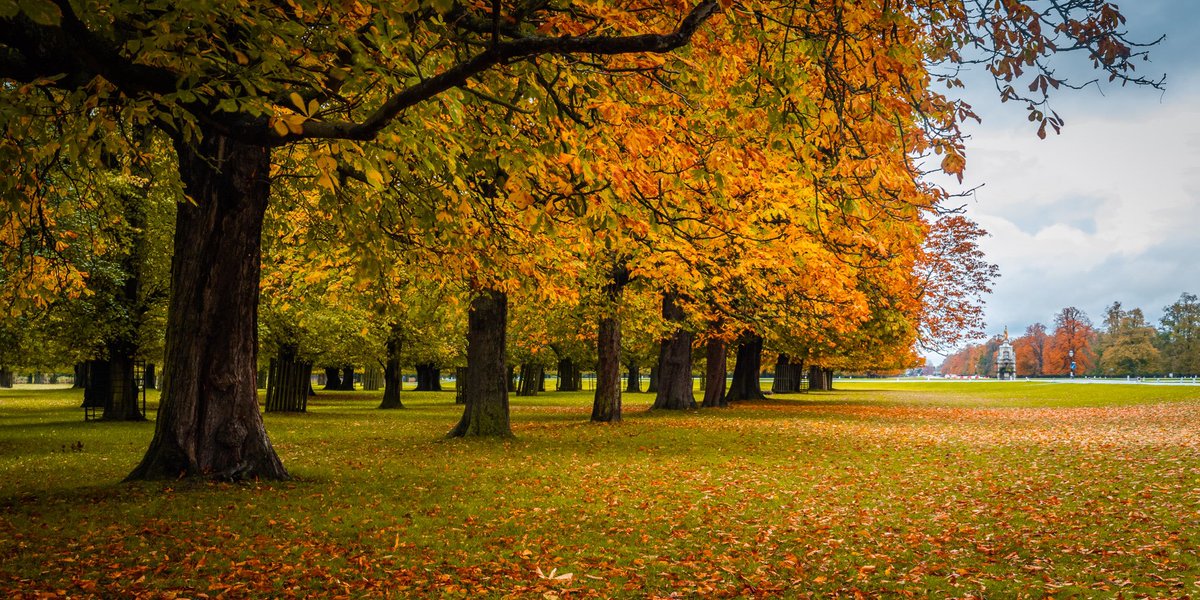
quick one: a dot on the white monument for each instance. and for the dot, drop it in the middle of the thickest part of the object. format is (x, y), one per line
(1006, 359)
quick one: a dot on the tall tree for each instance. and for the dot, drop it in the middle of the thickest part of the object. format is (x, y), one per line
(1071, 342)
(1180, 336)
(1126, 347)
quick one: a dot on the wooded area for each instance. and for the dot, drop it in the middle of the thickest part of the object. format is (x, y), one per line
(479, 186)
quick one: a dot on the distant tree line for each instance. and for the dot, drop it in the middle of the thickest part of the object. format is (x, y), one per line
(1125, 344)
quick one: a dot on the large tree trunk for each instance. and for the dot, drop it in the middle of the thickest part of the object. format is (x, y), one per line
(633, 383)
(485, 389)
(209, 423)
(150, 378)
(333, 379)
(714, 389)
(606, 404)
(652, 385)
(675, 361)
(746, 383)
(6, 377)
(288, 382)
(392, 379)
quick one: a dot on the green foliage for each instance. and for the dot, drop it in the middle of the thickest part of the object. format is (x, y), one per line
(938, 489)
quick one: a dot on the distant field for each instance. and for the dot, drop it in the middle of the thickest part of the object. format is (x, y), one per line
(992, 489)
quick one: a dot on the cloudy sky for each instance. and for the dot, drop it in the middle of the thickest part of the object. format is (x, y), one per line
(1110, 209)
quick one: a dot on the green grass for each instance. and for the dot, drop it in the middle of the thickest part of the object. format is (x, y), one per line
(946, 489)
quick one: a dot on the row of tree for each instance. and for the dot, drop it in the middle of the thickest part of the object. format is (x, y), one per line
(1125, 345)
(352, 182)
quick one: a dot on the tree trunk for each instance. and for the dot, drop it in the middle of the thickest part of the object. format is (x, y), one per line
(6, 378)
(429, 378)
(347, 379)
(460, 376)
(797, 377)
(288, 382)
(333, 381)
(816, 379)
(150, 379)
(531, 379)
(714, 389)
(828, 379)
(209, 423)
(783, 375)
(675, 361)
(746, 382)
(98, 393)
(568, 379)
(123, 402)
(392, 379)
(512, 378)
(606, 404)
(81, 376)
(485, 390)
(371, 378)
(652, 385)
(633, 382)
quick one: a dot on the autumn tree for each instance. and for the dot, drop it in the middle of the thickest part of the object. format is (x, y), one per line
(1030, 349)
(232, 85)
(1071, 342)
(1126, 347)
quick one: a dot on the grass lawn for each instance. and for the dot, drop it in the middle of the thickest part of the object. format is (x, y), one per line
(996, 490)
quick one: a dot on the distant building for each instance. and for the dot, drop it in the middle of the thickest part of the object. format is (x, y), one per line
(1006, 359)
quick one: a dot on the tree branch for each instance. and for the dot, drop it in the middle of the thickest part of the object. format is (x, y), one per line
(502, 52)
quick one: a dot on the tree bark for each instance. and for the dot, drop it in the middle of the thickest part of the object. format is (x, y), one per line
(98, 393)
(714, 390)
(606, 404)
(675, 361)
(652, 385)
(531, 379)
(782, 383)
(288, 382)
(633, 382)
(746, 382)
(816, 379)
(570, 379)
(6, 378)
(333, 379)
(122, 403)
(209, 423)
(392, 379)
(460, 376)
(485, 389)
(372, 379)
(347, 379)
(81, 376)
(429, 378)
(150, 377)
